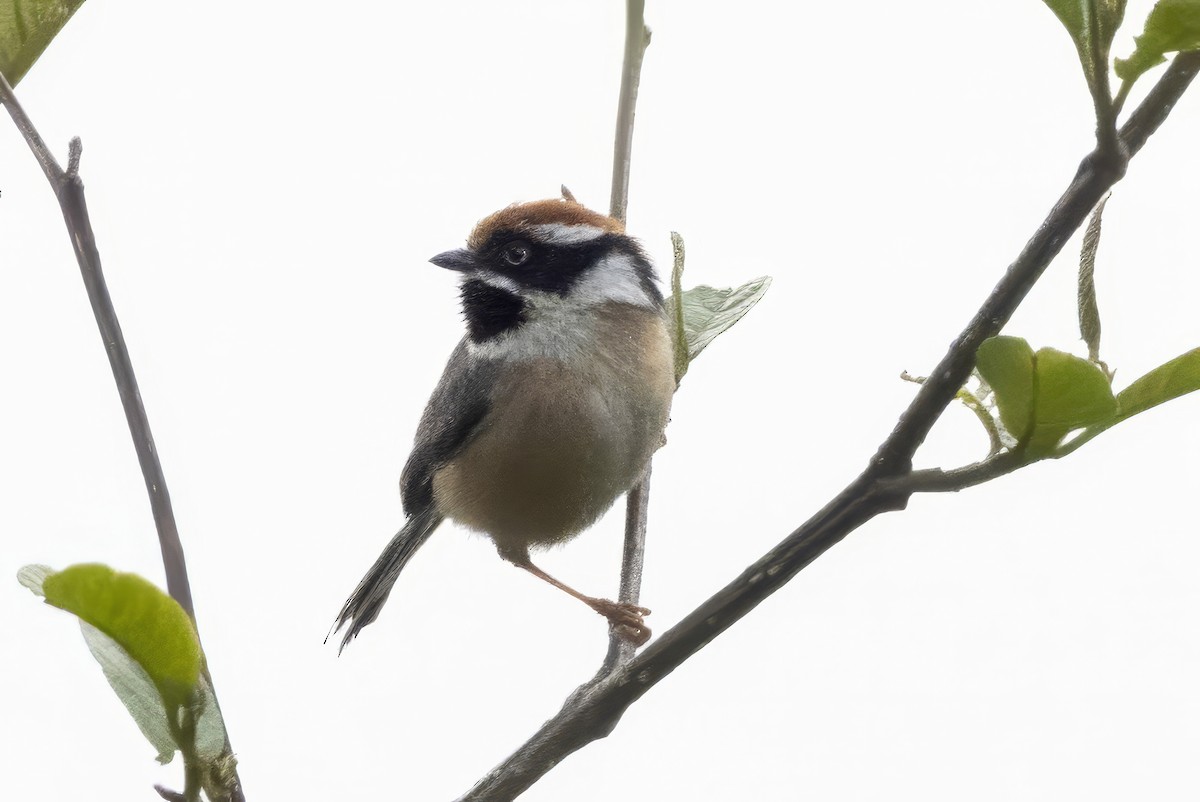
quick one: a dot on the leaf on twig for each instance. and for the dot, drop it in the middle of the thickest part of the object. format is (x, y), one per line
(1071, 393)
(1168, 381)
(679, 341)
(144, 621)
(1178, 377)
(26, 30)
(1172, 26)
(144, 642)
(1092, 25)
(701, 314)
(1043, 396)
(134, 688)
(1006, 364)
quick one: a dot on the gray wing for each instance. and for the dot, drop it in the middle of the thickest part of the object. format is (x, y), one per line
(452, 417)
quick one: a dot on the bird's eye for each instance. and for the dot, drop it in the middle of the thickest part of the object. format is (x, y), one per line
(516, 253)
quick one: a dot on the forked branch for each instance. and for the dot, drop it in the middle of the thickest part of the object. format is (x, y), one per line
(594, 709)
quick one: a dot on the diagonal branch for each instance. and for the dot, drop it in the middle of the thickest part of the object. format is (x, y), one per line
(68, 187)
(594, 709)
(1096, 174)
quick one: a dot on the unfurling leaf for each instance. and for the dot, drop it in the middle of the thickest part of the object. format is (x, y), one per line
(679, 341)
(1173, 26)
(1089, 308)
(710, 311)
(699, 315)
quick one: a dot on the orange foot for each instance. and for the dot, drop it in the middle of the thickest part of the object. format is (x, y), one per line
(626, 619)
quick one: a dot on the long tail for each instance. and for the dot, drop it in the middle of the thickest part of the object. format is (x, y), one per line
(367, 599)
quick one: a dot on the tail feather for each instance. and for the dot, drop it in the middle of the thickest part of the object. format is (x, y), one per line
(367, 600)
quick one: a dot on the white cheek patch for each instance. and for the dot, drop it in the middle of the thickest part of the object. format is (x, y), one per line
(562, 234)
(496, 280)
(614, 278)
(561, 327)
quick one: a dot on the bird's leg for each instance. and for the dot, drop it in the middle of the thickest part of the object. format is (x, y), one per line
(626, 619)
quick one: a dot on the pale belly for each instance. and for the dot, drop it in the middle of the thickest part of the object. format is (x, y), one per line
(563, 446)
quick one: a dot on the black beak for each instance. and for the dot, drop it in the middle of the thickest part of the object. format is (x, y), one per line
(461, 260)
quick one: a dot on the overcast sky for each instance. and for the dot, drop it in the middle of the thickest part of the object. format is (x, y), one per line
(267, 181)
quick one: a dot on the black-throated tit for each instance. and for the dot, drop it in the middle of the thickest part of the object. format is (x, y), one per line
(551, 405)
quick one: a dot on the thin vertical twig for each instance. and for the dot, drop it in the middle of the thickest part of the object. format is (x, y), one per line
(68, 187)
(595, 708)
(637, 37)
(620, 650)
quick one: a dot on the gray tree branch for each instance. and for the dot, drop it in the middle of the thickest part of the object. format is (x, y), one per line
(595, 708)
(637, 501)
(68, 187)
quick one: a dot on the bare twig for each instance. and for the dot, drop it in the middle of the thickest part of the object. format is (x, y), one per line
(68, 187)
(971, 402)
(621, 649)
(595, 708)
(637, 37)
(936, 480)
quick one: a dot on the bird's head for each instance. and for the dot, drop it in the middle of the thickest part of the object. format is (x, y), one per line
(550, 254)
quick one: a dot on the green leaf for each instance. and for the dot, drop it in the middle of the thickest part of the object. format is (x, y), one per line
(710, 311)
(1006, 364)
(134, 688)
(1173, 26)
(675, 310)
(1178, 377)
(1072, 14)
(1091, 25)
(26, 29)
(148, 624)
(1070, 393)
(211, 738)
(1044, 396)
(1109, 16)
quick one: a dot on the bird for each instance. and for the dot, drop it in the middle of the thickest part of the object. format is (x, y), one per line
(551, 405)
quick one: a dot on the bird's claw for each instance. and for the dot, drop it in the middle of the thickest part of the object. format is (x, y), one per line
(627, 620)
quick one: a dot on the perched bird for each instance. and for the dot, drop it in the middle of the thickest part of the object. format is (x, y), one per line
(551, 405)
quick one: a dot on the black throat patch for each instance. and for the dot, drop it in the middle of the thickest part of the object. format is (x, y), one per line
(490, 311)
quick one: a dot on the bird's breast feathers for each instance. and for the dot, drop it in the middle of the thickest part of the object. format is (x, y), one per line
(574, 417)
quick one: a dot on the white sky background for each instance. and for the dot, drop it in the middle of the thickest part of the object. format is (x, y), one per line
(267, 181)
